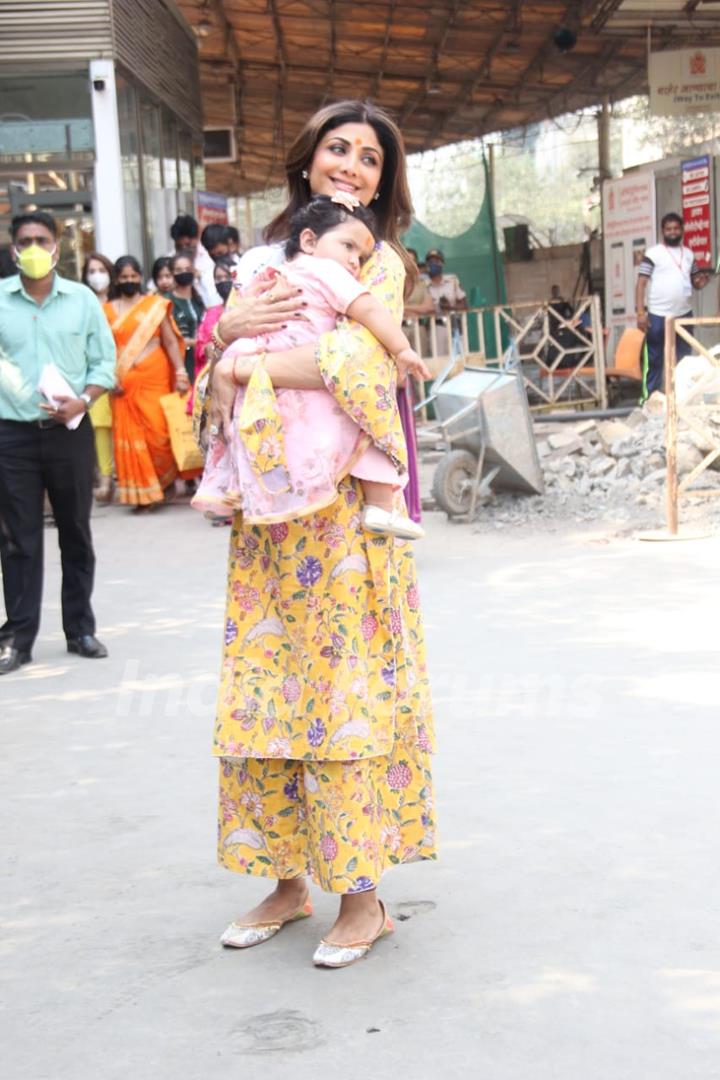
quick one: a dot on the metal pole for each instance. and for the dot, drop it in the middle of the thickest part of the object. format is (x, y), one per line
(490, 184)
(603, 128)
(671, 428)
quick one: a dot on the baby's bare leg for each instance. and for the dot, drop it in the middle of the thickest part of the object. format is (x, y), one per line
(378, 494)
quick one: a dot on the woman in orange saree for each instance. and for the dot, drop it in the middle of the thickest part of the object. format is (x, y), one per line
(149, 366)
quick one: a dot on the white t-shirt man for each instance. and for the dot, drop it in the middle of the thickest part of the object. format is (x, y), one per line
(670, 270)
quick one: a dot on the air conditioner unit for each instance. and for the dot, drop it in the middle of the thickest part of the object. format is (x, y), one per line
(219, 144)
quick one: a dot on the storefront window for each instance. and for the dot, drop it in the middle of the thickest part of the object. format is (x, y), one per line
(46, 154)
(198, 166)
(150, 118)
(185, 147)
(46, 116)
(169, 151)
(156, 224)
(157, 161)
(130, 155)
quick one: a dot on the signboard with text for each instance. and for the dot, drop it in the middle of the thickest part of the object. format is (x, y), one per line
(629, 229)
(211, 209)
(684, 81)
(696, 208)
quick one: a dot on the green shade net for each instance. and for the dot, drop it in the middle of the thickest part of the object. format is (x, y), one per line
(474, 257)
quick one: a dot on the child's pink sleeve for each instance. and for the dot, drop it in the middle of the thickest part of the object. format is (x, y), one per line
(336, 283)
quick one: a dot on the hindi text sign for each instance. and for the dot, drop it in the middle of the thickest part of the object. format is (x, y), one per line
(684, 81)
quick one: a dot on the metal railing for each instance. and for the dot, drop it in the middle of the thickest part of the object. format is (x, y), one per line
(688, 412)
(562, 362)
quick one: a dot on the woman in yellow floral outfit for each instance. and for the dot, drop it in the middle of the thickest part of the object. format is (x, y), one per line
(324, 725)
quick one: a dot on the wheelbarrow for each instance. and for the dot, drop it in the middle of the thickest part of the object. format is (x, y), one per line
(485, 423)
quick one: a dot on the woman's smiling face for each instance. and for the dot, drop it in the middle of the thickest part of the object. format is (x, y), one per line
(348, 158)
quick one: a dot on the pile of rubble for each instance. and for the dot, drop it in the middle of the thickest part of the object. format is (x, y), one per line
(608, 470)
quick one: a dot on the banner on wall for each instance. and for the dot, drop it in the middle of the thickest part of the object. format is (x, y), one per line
(211, 209)
(696, 208)
(629, 229)
(684, 81)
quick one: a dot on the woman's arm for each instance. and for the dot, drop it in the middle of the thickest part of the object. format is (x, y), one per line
(171, 347)
(293, 369)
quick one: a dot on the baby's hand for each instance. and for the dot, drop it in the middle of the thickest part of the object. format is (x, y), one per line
(408, 360)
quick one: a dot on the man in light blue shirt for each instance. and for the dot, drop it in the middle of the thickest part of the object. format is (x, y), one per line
(45, 319)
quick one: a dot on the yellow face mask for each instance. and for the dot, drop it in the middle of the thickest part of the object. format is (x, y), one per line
(35, 262)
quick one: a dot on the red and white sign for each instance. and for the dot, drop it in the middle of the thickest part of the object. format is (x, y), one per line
(211, 209)
(629, 228)
(696, 208)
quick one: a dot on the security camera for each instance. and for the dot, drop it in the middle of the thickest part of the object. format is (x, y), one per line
(98, 84)
(565, 39)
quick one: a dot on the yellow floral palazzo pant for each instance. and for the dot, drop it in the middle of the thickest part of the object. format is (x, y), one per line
(341, 822)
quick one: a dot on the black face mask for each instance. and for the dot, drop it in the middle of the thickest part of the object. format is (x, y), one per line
(224, 288)
(673, 241)
(128, 288)
(185, 277)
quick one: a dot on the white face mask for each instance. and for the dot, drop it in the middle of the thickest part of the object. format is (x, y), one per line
(98, 280)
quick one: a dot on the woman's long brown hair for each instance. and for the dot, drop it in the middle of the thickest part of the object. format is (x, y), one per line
(108, 266)
(392, 208)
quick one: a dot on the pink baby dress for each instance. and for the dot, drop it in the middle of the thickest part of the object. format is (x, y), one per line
(289, 465)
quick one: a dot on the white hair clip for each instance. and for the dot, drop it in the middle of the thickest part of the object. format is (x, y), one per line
(345, 199)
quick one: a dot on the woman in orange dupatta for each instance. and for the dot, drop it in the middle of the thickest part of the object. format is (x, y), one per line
(150, 365)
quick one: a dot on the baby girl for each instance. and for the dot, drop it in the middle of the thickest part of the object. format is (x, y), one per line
(275, 470)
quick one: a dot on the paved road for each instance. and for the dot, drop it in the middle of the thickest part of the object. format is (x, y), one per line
(570, 929)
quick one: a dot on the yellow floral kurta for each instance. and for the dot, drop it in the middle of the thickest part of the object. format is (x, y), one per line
(324, 667)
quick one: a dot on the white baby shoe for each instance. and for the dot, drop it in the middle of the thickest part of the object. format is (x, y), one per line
(390, 523)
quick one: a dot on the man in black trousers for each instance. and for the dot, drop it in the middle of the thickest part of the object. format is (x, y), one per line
(45, 319)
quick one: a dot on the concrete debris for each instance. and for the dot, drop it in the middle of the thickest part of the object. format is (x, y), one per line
(564, 440)
(600, 466)
(688, 457)
(616, 468)
(611, 432)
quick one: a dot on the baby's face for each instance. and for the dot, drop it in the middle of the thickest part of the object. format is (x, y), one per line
(349, 244)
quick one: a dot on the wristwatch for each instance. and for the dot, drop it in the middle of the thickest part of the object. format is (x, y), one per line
(87, 399)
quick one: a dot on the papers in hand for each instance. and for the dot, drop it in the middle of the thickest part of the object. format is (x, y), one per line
(53, 385)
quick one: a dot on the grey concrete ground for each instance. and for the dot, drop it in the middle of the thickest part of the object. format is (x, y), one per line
(570, 929)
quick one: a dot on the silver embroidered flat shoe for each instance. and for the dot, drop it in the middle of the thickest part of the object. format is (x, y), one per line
(245, 935)
(332, 954)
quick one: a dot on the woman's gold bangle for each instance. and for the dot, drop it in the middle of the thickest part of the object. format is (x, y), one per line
(217, 341)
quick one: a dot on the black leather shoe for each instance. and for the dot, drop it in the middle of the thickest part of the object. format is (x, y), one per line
(11, 659)
(87, 646)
